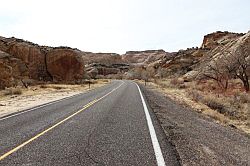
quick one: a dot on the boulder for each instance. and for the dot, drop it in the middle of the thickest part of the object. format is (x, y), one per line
(65, 64)
(190, 76)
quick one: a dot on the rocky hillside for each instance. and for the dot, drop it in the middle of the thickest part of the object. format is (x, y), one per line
(20, 60)
(191, 62)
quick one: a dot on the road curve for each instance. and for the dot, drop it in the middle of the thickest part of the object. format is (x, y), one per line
(111, 125)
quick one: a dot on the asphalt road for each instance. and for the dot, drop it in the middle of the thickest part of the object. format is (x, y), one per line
(106, 126)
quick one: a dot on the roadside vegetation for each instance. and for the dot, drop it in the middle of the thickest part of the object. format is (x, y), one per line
(12, 91)
(229, 107)
(34, 88)
(19, 98)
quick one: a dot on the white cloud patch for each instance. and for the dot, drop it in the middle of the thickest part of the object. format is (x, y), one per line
(120, 25)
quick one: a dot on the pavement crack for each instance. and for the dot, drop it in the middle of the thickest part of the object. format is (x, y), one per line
(88, 153)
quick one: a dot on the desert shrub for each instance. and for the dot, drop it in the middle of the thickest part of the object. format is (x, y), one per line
(94, 81)
(243, 97)
(100, 77)
(161, 83)
(213, 103)
(17, 91)
(12, 91)
(222, 106)
(195, 95)
(105, 80)
(29, 82)
(44, 86)
(57, 87)
(177, 83)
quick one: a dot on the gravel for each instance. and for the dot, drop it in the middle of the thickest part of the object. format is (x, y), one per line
(198, 140)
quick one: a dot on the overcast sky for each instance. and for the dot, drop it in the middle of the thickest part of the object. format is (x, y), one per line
(121, 25)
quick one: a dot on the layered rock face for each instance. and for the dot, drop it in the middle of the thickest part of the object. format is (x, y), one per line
(218, 38)
(65, 64)
(143, 57)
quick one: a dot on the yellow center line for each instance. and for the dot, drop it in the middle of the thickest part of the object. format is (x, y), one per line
(57, 124)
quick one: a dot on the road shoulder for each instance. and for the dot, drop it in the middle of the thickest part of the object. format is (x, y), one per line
(40, 95)
(198, 140)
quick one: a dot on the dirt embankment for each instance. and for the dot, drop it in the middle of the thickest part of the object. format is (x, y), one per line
(199, 140)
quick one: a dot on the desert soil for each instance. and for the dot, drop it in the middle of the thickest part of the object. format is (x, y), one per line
(38, 95)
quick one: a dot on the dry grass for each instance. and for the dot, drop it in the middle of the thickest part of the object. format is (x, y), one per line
(54, 86)
(229, 108)
(12, 91)
(39, 94)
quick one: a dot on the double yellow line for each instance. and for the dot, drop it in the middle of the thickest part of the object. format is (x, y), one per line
(57, 124)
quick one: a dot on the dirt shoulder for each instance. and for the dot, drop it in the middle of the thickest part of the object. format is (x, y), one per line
(199, 140)
(18, 99)
(228, 109)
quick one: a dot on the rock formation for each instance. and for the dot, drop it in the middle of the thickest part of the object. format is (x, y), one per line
(65, 64)
(25, 60)
(21, 59)
(12, 69)
(143, 57)
(215, 39)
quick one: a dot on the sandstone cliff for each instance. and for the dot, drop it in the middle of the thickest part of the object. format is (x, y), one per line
(22, 59)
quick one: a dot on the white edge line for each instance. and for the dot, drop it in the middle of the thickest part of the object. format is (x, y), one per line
(43, 105)
(155, 142)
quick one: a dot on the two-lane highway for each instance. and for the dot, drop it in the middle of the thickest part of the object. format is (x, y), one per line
(112, 125)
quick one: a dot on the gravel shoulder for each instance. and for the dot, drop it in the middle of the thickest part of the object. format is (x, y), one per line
(199, 140)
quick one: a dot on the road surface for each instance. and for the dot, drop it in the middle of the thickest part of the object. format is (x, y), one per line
(111, 125)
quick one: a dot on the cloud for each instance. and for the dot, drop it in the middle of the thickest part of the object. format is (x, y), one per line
(120, 25)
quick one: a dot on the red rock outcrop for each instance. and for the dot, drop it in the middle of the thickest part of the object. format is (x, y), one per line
(41, 62)
(31, 54)
(5, 75)
(12, 69)
(65, 64)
